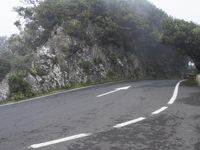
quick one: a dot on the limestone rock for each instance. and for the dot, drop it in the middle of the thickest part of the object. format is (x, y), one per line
(4, 89)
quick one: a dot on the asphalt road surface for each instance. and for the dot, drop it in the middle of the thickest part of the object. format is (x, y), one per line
(122, 116)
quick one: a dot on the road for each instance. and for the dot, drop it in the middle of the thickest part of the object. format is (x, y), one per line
(122, 116)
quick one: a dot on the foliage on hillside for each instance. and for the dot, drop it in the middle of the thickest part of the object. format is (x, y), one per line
(185, 36)
(64, 42)
(134, 26)
(3, 45)
(19, 88)
(4, 64)
(114, 21)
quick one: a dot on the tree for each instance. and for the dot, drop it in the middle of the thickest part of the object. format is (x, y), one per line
(133, 26)
(3, 45)
(184, 36)
(4, 64)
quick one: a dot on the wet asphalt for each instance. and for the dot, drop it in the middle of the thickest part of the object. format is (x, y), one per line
(66, 114)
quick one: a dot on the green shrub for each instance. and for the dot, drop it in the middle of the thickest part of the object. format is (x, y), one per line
(18, 96)
(19, 88)
(86, 65)
(110, 74)
(40, 71)
(74, 28)
(97, 61)
(113, 59)
(4, 68)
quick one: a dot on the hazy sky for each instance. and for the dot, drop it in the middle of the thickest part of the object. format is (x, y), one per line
(184, 9)
(8, 17)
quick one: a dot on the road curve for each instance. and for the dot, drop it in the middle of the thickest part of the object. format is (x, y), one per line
(79, 113)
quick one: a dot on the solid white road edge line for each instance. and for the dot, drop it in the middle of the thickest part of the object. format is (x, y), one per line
(63, 92)
(48, 95)
(35, 146)
(175, 94)
(116, 90)
(159, 110)
(129, 122)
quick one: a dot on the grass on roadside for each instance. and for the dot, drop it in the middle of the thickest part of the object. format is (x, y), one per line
(190, 82)
(58, 90)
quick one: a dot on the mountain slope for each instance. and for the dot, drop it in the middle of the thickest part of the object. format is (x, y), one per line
(67, 42)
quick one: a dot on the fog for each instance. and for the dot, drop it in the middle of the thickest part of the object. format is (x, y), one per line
(188, 10)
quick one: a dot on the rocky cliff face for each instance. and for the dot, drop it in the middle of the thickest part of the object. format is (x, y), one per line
(4, 89)
(65, 60)
(94, 41)
(55, 66)
(4, 76)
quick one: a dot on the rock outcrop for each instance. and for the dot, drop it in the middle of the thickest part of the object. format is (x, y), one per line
(4, 89)
(54, 66)
(97, 41)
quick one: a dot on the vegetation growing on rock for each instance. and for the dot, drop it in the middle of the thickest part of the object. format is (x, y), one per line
(70, 42)
(185, 36)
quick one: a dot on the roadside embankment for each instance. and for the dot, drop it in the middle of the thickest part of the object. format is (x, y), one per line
(198, 79)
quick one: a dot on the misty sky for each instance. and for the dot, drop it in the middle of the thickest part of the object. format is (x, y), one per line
(184, 9)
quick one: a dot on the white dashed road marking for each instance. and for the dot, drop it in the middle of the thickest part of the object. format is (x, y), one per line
(172, 100)
(129, 122)
(35, 146)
